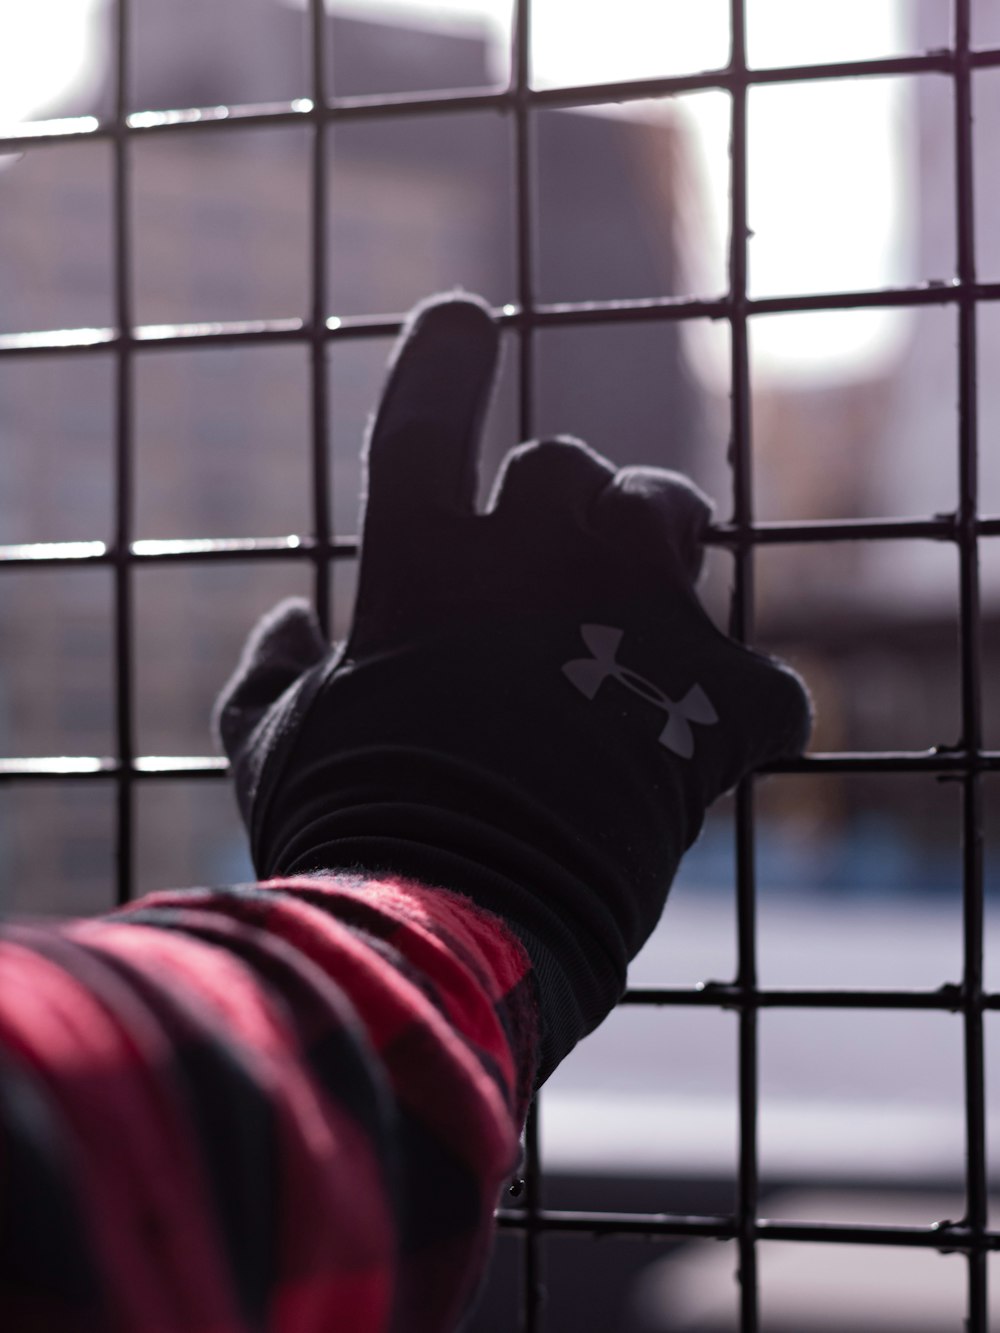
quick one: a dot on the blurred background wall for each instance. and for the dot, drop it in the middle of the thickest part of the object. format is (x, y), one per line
(222, 435)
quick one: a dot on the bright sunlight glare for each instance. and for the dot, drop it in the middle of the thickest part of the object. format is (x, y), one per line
(48, 54)
(827, 161)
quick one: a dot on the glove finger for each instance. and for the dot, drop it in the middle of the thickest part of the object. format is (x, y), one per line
(423, 447)
(660, 517)
(281, 646)
(538, 480)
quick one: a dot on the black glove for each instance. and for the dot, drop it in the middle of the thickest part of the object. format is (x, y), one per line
(532, 707)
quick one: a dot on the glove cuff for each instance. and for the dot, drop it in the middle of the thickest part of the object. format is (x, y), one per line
(576, 985)
(454, 833)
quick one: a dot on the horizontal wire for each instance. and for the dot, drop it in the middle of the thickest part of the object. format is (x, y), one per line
(48, 768)
(300, 111)
(943, 762)
(946, 1237)
(28, 555)
(168, 337)
(948, 998)
(622, 1224)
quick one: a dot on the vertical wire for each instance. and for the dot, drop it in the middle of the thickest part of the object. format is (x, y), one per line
(524, 182)
(742, 629)
(123, 314)
(524, 166)
(320, 468)
(534, 1292)
(971, 677)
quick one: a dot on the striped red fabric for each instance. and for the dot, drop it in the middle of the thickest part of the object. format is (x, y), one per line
(287, 1106)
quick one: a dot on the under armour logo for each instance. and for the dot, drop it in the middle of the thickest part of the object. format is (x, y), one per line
(588, 674)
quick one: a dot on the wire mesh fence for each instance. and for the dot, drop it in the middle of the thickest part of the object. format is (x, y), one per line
(326, 546)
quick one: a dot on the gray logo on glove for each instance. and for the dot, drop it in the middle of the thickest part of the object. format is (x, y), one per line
(588, 674)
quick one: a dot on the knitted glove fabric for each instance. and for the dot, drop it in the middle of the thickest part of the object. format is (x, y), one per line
(531, 708)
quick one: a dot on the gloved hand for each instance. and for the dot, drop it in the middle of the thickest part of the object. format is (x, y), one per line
(532, 708)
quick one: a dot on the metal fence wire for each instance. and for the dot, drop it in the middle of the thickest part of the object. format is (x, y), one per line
(964, 764)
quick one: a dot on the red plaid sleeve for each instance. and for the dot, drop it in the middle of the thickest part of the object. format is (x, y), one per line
(287, 1106)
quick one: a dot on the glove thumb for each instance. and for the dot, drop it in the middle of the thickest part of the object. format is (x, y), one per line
(282, 645)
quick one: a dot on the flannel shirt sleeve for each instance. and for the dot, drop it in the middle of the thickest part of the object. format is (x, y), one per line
(288, 1106)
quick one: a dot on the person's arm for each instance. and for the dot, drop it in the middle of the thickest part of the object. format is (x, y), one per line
(287, 1106)
(271, 1105)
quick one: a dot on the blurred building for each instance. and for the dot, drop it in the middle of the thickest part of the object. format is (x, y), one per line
(220, 232)
(875, 625)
